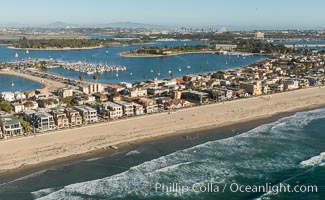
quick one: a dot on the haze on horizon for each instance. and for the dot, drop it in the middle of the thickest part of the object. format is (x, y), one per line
(275, 13)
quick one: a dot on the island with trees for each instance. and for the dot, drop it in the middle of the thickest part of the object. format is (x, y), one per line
(67, 44)
(156, 51)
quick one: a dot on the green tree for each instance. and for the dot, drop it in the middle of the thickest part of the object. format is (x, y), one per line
(5, 106)
(68, 101)
(26, 126)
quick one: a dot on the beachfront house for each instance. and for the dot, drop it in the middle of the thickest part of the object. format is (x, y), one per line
(88, 114)
(41, 121)
(74, 117)
(176, 104)
(10, 126)
(254, 88)
(127, 107)
(290, 84)
(150, 105)
(196, 97)
(218, 95)
(113, 110)
(138, 109)
(60, 119)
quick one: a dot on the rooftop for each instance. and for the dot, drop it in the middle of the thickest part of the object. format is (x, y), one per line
(9, 120)
(111, 104)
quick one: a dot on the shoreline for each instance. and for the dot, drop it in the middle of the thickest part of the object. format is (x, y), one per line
(23, 152)
(204, 133)
(55, 49)
(69, 48)
(47, 84)
(128, 55)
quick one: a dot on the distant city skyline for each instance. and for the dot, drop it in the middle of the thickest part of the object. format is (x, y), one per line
(275, 13)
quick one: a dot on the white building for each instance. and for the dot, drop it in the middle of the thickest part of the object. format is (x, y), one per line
(91, 88)
(18, 107)
(20, 96)
(138, 109)
(128, 109)
(88, 114)
(8, 96)
(66, 92)
(259, 36)
(10, 126)
(114, 110)
(126, 84)
(41, 121)
(137, 92)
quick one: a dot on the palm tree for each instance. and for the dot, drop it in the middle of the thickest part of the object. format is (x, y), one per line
(95, 77)
(81, 78)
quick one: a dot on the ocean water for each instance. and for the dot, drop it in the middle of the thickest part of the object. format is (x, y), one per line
(10, 83)
(138, 69)
(289, 151)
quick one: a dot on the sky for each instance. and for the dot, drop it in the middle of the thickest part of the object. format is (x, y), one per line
(274, 13)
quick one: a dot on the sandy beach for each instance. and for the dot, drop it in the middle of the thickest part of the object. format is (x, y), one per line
(55, 49)
(47, 84)
(21, 152)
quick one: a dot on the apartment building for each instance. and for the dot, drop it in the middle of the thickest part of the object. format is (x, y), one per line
(74, 117)
(88, 114)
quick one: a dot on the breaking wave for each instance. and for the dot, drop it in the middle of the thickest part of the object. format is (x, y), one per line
(318, 160)
(257, 153)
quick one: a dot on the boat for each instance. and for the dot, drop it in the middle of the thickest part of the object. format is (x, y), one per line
(151, 70)
(188, 67)
(16, 55)
(27, 51)
(131, 73)
(12, 83)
